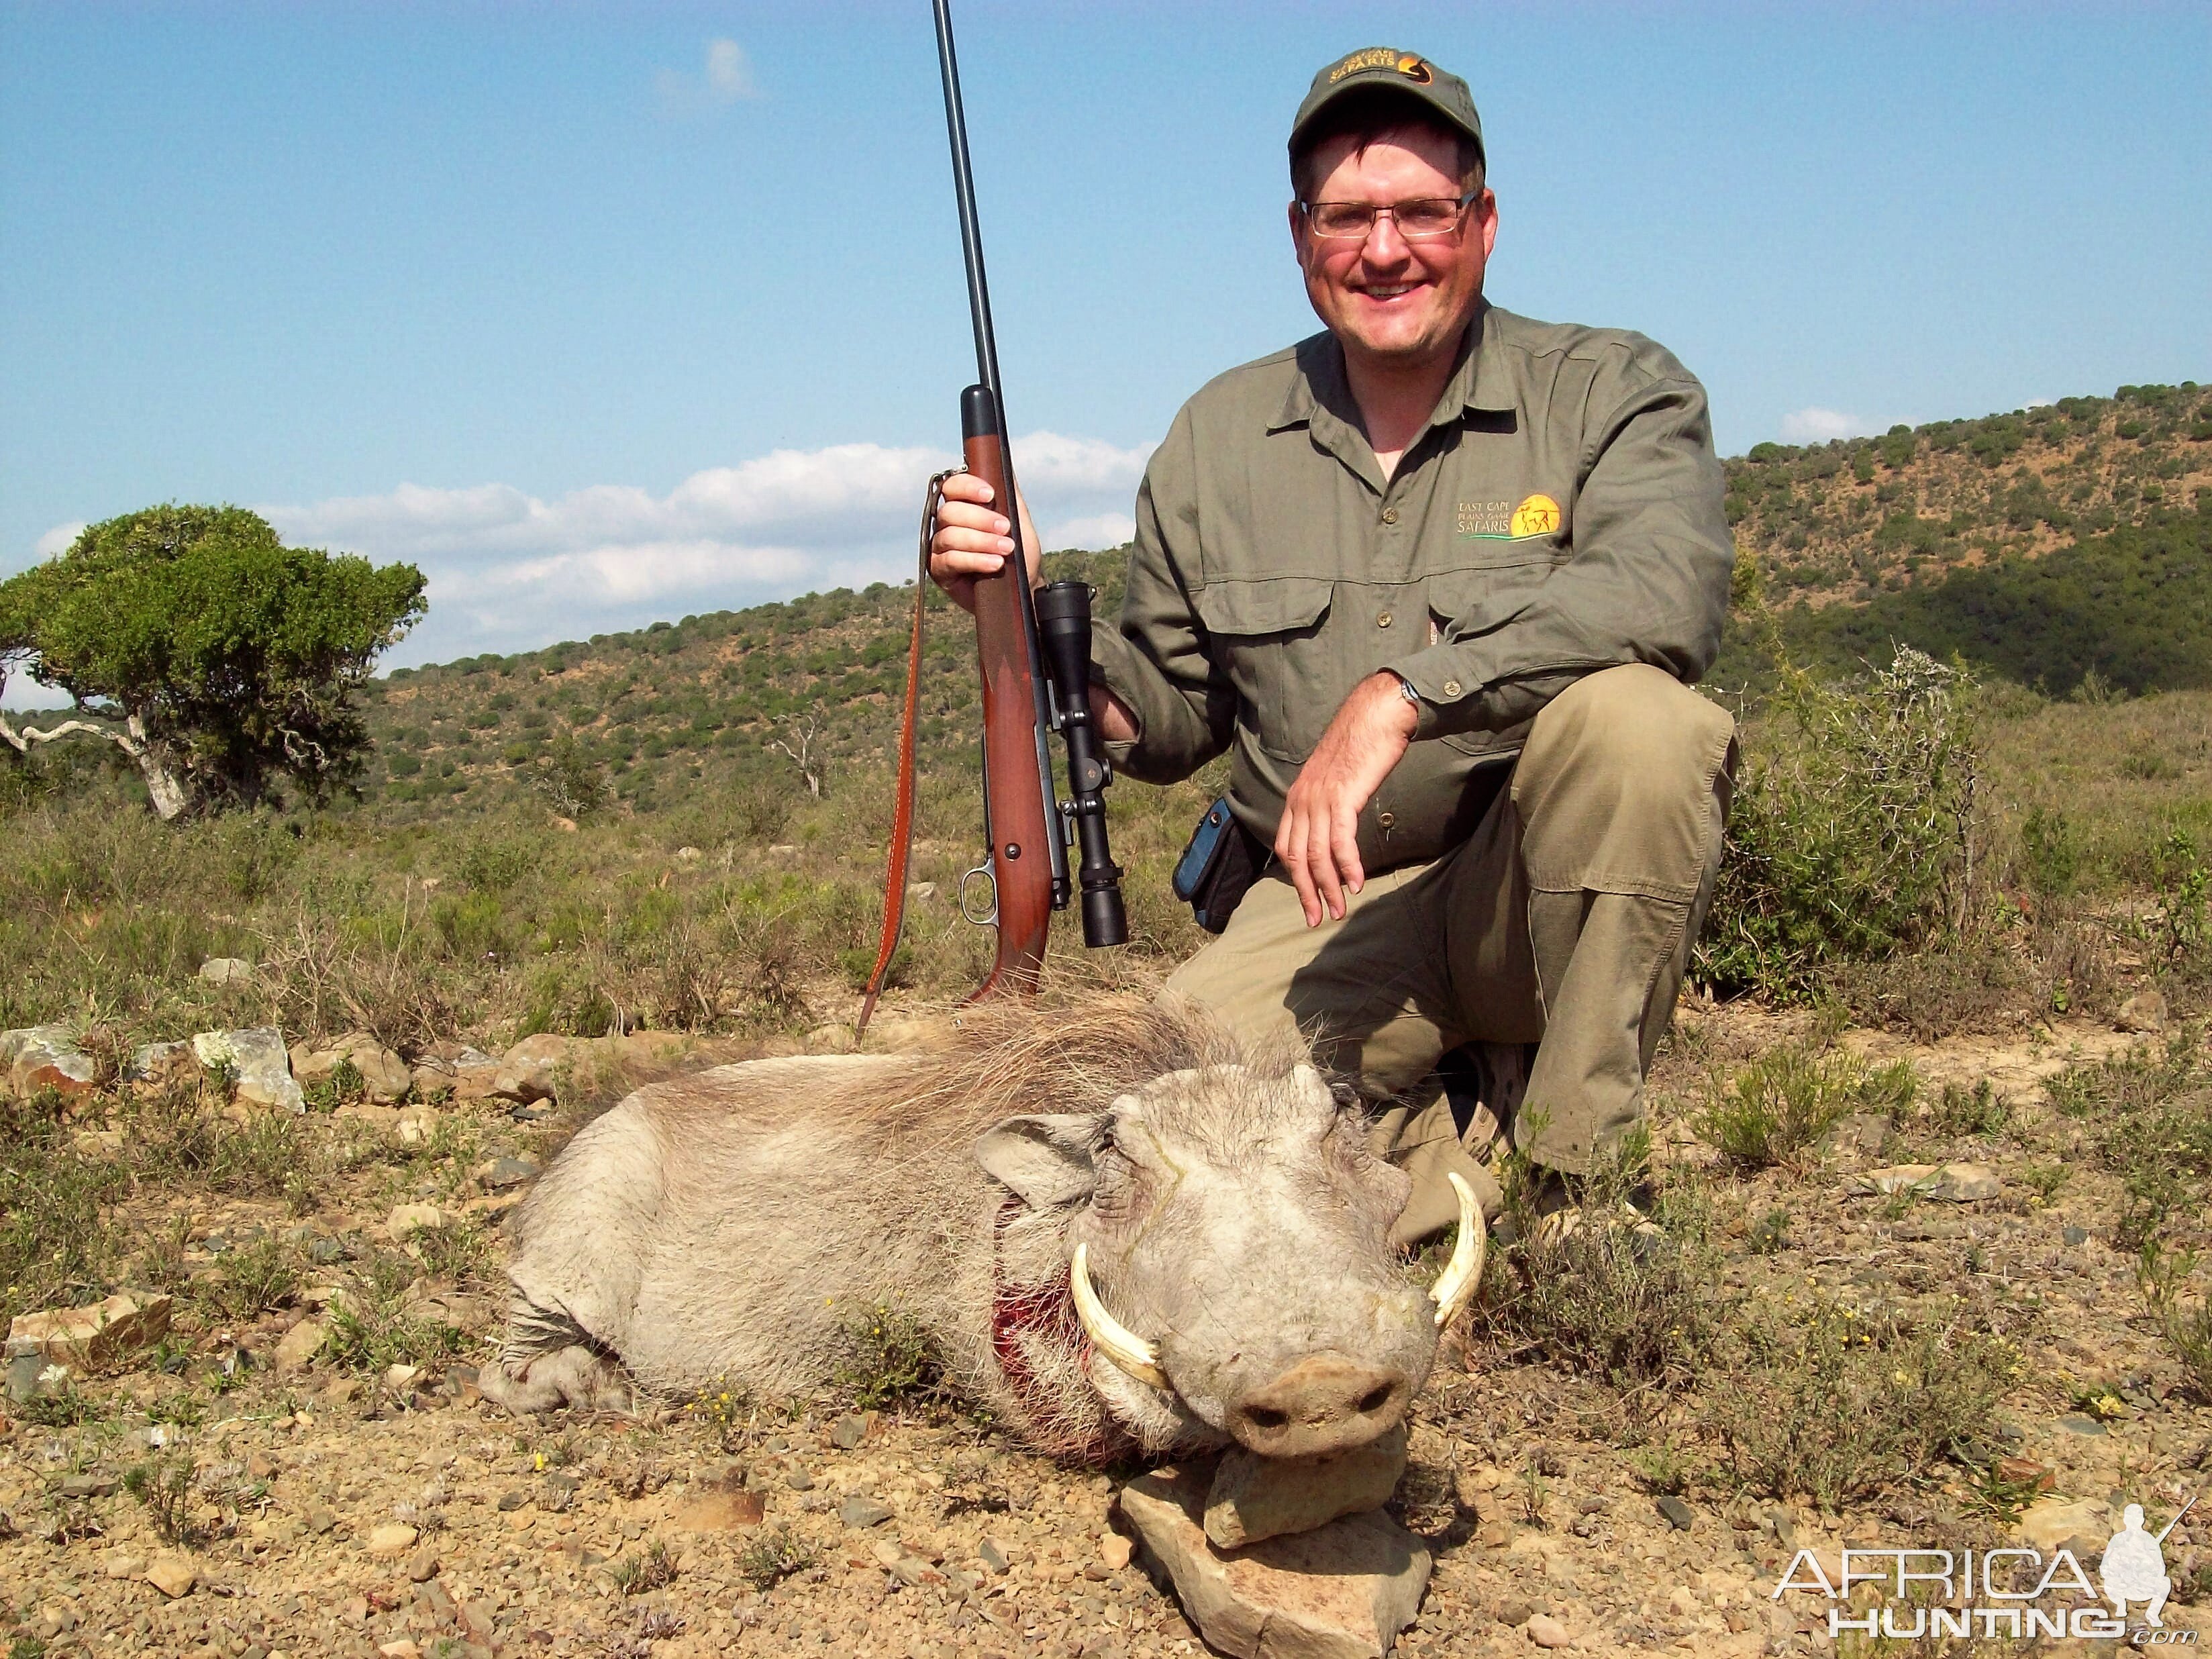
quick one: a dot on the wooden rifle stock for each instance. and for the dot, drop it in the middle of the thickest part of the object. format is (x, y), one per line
(1017, 803)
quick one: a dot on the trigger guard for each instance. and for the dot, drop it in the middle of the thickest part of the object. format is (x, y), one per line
(991, 918)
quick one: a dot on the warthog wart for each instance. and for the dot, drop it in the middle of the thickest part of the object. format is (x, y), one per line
(1050, 1165)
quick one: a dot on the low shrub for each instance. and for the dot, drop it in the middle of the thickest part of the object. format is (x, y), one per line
(773, 1557)
(53, 1248)
(2149, 1114)
(1772, 1110)
(163, 1486)
(1829, 1404)
(1634, 1300)
(887, 1355)
(371, 1328)
(250, 1280)
(1852, 836)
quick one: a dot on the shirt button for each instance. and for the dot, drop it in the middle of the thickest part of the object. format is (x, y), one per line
(1386, 819)
(1384, 620)
(1389, 515)
(1451, 688)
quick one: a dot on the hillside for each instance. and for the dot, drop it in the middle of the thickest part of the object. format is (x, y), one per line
(2046, 546)
(622, 717)
(2044, 543)
(1841, 522)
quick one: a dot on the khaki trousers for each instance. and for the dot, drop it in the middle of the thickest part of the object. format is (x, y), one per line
(1565, 920)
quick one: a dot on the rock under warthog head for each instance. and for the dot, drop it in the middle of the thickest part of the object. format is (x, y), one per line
(1225, 1231)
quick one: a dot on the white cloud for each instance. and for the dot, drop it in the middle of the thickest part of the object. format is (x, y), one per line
(509, 571)
(1817, 426)
(57, 539)
(727, 77)
(1099, 530)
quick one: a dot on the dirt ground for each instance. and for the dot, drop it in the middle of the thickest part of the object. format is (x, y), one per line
(352, 1512)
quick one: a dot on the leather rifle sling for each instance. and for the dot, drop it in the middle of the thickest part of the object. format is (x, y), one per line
(902, 812)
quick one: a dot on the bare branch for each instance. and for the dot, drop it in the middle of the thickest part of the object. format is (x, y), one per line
(303, 752)
(22, 741)
(805, 734)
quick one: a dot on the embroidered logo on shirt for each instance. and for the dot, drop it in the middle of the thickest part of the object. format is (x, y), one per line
(1502, 521)
(1537, 515)
(1483, 517)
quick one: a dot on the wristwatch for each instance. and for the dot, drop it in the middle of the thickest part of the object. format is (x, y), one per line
(1405, 687)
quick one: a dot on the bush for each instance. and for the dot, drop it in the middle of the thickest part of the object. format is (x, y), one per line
(2051, 854)
(163, 1485)
(1976, 1111)
(888, 1356)
(1853, 837)
(651, 1569)
(371, 1330)
(2149, 1119)
(1773, 1109)
(1831, 1404)
(1616, 1296)
(2186, 1326)
(773, 1557)
(251, 1280)
(53, 1248)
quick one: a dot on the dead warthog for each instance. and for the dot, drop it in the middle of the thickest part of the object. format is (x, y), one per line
(727, 1227)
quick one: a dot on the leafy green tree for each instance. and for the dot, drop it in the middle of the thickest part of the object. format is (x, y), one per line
(214, 656)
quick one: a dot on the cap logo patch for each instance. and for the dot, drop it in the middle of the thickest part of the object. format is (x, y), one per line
(1537, 515)
(1374, 57)
(1414, 69)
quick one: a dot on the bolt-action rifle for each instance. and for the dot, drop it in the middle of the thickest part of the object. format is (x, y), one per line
(1035, 653)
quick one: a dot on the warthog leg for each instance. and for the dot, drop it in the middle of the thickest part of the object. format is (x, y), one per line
(549, 1361)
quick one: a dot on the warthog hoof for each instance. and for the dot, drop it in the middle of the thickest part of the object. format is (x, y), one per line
(575, 1375)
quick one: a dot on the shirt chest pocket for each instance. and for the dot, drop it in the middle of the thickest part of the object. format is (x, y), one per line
(1272, 637)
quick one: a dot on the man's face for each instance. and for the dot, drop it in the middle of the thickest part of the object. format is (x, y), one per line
(1395, 303)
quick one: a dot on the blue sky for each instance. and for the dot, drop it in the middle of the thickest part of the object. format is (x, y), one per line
(607, 312)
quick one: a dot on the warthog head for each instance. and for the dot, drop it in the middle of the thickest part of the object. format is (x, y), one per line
(1233, 1221)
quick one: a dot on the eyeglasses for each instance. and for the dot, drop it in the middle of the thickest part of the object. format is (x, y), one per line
(1421, 219)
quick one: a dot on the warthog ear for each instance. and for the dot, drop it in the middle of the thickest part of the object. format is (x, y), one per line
(1045, 1159)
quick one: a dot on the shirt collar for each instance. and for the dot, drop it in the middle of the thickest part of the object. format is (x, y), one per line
(1480, 381)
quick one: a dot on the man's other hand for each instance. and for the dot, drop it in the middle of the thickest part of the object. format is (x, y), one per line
(1318, 840)
(971, 541)
(974, 540)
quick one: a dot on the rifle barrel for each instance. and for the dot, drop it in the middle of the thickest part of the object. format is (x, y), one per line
(971, 233)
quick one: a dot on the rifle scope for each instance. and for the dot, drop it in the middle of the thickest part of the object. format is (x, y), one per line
(1063, 613)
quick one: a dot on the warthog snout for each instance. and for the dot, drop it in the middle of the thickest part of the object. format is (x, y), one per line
(1324, 1403)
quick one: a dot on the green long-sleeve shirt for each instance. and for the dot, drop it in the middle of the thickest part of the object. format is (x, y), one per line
(1559, 513)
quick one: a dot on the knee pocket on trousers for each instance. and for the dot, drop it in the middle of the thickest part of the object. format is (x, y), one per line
(1616, 793)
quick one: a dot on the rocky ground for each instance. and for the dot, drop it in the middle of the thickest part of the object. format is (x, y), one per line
(318, 1476)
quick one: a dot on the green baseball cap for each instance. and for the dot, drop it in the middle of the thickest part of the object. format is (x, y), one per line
(1385, 69)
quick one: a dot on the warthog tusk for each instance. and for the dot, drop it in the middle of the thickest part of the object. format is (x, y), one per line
(1462, 1275)
(1140, 1358)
